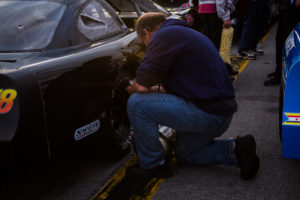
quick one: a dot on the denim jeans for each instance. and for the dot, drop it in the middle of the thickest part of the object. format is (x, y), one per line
(195, 130)
(254, 24)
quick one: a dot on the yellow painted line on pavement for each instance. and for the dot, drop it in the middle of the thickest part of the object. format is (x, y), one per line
(119, 175)
(243, 63)
(154, 188)
(266, 35)
(116, 189)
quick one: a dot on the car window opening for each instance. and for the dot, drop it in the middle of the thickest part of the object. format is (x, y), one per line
(88, 21)
(96, 21)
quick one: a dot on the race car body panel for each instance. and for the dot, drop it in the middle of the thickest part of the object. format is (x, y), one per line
(22, 115)
(291, 96)
(59, 92)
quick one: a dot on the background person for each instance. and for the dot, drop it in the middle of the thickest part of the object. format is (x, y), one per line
(214, 16)
(253, 29)
(289, 16)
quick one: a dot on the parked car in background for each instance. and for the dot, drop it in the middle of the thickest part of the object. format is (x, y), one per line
(61, 66)
(289, 117)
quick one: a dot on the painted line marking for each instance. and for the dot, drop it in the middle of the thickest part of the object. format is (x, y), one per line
(119, 175)
(119, 182)
(242, 64)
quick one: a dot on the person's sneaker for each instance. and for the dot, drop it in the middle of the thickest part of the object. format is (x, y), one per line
(272, 81)
(257, 52)
(162, 171)
(246, 55)
(245, 152)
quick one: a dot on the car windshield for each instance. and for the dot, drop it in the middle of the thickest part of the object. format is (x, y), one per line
(28, 25)
(137, 5)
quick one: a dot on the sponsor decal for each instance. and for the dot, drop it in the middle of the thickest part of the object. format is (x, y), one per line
(87, 130)
(290, 43)
(293, 119)
(7, 97)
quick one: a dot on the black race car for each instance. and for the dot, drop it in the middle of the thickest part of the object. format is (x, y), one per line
(62, 64)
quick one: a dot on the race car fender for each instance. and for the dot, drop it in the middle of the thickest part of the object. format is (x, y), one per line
(21, 113)
(9, 108)
(291, 106)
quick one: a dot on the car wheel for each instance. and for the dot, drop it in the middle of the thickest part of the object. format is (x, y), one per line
(119, 121)
(280, 110)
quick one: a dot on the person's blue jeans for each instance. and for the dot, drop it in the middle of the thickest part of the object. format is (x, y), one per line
(195, 130)
(253, 27)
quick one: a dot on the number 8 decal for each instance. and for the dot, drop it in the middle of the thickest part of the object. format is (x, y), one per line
(7, 98)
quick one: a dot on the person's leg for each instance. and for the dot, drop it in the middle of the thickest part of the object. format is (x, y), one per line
(275, 77)
(146, 111)
(215, 31)
(197, 149)
(248, 31)
(279, 41)
(261, 15)
(211, 27)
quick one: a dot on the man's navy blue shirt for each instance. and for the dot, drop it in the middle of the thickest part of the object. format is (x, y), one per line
(188, 65)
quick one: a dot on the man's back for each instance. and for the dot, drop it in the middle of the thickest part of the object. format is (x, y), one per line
(186, 63)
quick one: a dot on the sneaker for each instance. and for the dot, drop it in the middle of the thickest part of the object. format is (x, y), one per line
(257, 52)
(162, 171)
(246, 55)
(245, 152)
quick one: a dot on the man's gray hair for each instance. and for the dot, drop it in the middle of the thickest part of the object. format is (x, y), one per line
(149, 21)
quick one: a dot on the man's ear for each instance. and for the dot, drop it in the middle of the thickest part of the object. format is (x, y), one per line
(147, 34)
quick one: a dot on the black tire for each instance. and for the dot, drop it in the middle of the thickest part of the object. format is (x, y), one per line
(280, 110)
(119, 121)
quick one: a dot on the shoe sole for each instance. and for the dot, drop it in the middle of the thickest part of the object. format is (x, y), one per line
(251, 167)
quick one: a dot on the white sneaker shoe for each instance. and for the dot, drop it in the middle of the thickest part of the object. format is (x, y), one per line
(246, 55)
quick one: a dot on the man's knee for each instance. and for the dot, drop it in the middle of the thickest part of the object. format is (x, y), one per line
(133, 101)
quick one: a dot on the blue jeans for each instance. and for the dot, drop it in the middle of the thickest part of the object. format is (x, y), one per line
(254, 24)
(195, 130)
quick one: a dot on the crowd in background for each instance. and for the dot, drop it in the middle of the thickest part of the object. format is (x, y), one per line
(210, 17)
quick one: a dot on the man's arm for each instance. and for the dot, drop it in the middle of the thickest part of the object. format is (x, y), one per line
(224, 9)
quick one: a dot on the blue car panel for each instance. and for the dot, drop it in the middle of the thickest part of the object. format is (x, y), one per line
(291, 96)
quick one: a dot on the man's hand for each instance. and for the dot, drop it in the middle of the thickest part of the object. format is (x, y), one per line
(135, 87)
(227, 23)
